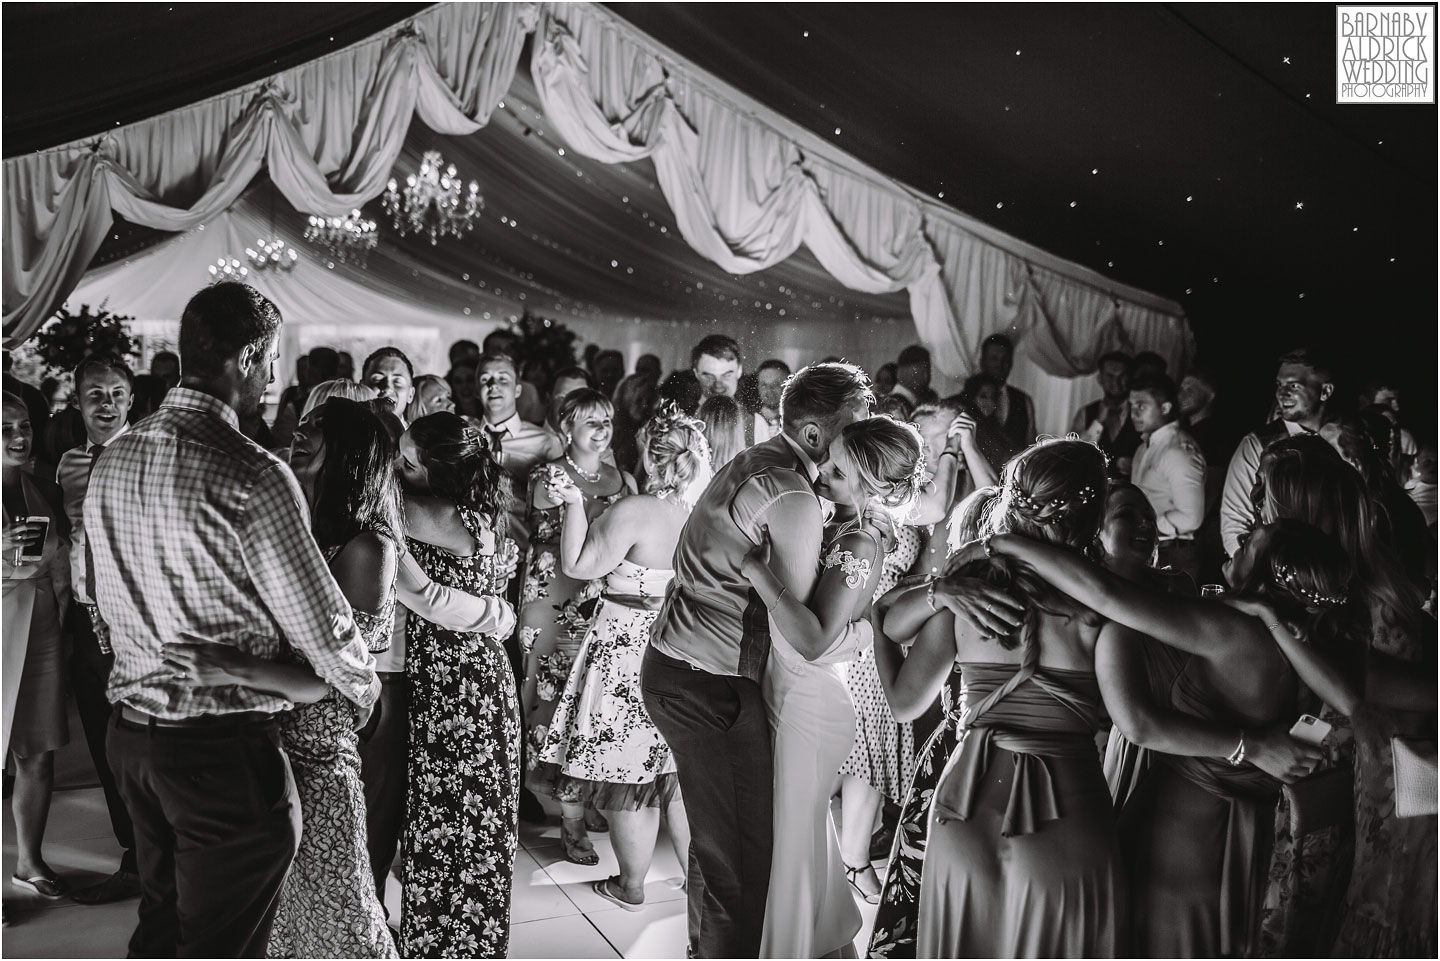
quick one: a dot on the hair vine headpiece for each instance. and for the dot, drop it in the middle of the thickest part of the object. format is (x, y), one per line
(1047, 512)
(1286, 574)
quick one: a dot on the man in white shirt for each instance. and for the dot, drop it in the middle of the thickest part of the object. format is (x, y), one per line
(518, 445)
(1170, 470)
(105, 390)
(1303, 384)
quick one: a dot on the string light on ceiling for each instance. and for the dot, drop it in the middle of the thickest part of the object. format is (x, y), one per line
(272, 255)
(435, 203)
(348, 239)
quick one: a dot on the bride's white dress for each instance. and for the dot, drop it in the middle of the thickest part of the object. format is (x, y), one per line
(810, 912)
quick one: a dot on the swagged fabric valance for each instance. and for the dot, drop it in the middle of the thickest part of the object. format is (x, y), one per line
(746, 187)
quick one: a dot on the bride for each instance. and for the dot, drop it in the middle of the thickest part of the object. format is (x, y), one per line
(875, 465)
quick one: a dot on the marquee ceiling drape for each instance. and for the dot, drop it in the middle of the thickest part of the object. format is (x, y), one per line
(768, 206)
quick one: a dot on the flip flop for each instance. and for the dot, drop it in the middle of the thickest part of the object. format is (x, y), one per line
(49, 888)
(602, 888)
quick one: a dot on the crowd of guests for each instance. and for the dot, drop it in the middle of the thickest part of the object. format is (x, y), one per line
(386, 618)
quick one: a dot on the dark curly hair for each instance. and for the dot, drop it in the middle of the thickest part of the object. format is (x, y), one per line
(461, 466)
(356, 490)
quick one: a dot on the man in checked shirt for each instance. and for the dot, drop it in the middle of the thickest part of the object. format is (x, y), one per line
(199, 537)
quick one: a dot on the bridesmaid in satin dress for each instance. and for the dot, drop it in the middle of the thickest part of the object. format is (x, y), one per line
(1022, 858)
(1214, 704)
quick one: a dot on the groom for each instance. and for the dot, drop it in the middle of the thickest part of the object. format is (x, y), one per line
(711, 640)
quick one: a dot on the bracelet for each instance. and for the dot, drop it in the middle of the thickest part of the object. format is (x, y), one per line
(950, 452)
(1237, 757)
(930, 595)
(1271, 626)
(771, 609)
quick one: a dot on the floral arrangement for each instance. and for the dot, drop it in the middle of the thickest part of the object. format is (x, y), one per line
(69, 337)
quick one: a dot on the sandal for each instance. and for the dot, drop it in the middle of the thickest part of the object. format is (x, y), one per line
(50, 888)
(595, 822)
(602, 888)
(578, 850)
(852, 875)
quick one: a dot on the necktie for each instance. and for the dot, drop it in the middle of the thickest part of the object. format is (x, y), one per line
(95, 453)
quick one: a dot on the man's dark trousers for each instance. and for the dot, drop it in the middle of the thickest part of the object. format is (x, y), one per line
(89, 676)
(217, 823)
(717, 728)
(384, 768)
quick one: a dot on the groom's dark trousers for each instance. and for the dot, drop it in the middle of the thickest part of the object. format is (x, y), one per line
(717, 729)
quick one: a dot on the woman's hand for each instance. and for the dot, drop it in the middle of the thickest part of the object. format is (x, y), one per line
(1254, 606)
(1281, 756)
(208, 665)
(562, 490)
(984, 606)
(961, 431)
(20, 536)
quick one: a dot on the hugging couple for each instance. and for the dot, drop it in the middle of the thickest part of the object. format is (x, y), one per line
(741, 673)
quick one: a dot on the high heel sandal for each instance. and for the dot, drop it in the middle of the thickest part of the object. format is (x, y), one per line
(577, 850)
(852, 875)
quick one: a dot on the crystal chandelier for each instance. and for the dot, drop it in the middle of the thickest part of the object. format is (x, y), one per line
(228, 269)
(272, 255)
(431, 203)
(346, 238)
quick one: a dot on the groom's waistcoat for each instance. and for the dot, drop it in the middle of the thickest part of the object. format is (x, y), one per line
(701, 620)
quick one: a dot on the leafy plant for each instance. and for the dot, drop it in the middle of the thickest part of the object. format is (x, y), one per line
(70, 337)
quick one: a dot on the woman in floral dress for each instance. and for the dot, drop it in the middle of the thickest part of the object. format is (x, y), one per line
(556, 610)
(602, 736)
(464, 778)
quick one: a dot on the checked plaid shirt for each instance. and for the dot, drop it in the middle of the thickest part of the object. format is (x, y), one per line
(198, 534)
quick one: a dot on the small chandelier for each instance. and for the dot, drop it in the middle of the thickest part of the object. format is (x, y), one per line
(228, 269)
(432, 202)
(272, 255)
(347, 239)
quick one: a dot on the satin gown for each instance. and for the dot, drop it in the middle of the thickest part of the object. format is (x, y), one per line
(810, 912)
(1022, 860)
(1196, 833)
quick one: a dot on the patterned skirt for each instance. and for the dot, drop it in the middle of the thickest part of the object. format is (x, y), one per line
(328, 907)
(601, 734)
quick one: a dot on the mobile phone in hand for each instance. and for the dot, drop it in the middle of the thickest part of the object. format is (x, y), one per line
(33, 552)
(1310, 729)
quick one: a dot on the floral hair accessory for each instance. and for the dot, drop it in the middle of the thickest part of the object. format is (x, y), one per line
(1286, 574)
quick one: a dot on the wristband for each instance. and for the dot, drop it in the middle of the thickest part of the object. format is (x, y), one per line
(950, 452)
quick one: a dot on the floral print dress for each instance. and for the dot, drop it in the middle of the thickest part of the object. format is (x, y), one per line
(895, 919)
(328, 907)
(602, 735)
(555, 613)
(462, 804)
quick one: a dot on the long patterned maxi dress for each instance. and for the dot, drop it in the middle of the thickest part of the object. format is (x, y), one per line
(328, 907)
(462, 804)
(894, 932)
